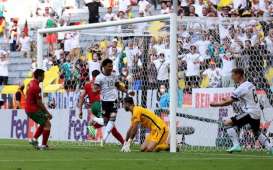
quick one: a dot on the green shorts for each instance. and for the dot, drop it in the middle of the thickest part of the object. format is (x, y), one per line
(39, 117)
(96, 109)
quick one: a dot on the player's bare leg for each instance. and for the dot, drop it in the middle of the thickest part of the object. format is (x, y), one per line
(46, 133)
(38, 132)
(110, 127)
(233, 136)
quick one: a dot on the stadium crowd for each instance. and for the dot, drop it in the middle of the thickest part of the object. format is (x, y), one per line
(208, 49)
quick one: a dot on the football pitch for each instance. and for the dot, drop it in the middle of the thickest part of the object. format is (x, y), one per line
(19, 155)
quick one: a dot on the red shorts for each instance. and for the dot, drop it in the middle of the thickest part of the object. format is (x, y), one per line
(51, 38)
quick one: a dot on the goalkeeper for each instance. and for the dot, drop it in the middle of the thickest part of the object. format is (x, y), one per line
(157, 140)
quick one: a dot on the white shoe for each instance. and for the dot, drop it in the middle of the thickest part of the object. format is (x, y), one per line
(102, 143)
(43, 147)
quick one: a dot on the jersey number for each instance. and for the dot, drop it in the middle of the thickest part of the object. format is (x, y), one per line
(110, 83)
(255, 97)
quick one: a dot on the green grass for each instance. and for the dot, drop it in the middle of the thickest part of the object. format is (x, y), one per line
(19, 155)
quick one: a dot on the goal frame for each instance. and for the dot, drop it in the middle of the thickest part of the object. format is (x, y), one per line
(172, 18)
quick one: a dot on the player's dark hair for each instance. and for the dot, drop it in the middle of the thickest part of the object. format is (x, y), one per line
(38, 72)
(238, 71)
(105, 62)
(95, 73)
(129, 100)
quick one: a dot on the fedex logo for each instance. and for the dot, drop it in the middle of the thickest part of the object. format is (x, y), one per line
(19, 126)
(77, 129)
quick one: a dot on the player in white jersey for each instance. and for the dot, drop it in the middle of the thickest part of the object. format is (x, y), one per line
(244, 97)
(107, 82)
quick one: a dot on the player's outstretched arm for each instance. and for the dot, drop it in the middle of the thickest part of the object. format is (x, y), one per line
(129, 138)
(224, 102)
(83, 94)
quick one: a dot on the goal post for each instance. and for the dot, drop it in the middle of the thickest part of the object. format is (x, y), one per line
(171, 18)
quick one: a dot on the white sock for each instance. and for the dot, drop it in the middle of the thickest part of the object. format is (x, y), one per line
(98, 120)
(108, 129)
(234, 136)
(265, 141)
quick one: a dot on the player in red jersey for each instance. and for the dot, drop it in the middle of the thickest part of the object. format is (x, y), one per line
(36, 110)
(95, 106)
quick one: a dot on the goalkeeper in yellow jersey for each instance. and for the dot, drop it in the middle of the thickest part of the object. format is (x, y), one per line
(157, 140)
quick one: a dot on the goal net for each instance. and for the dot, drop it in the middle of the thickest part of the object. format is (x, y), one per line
(207, 52)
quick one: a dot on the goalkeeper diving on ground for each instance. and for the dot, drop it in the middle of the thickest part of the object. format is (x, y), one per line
(157, 140)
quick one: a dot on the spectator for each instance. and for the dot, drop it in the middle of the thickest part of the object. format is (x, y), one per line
(93, 64)
(24, 44)
(93, 8)
(66, 70)
(192, 11)
(14, 35)
(269, 45)
(121, 15)
(144, 7)
(51, 37)
(164, 8)
(4, 68)
(228, 63)
(162, 66)
(2, 9)
(203, 46)
(193, 61)
(131, 52)
(20, 99)
(199, 5)
(2, 27)
(61, 35)
(109, 16)
(123, 5)
(2, 102)
(214, 75)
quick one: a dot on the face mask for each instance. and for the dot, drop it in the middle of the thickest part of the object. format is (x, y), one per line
(124, 73)
(161, 59)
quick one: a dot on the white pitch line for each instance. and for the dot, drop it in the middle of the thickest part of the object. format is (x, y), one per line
(133, 159)
(229, 154)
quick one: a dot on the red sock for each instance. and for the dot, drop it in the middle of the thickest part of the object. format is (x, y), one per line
(117, 135)
(45, 136)
(38, 132)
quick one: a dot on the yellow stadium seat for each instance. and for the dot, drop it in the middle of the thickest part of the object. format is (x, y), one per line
(89, 56)
(51, 75)
(52, 88)
(269, 76)
(155, 27)
(205, 82)
(223, 3)
(181, 84)
(10, 89)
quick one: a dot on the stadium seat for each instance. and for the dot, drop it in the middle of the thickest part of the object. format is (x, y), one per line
(53, 88)
(181, 84)
(9, 89)
(269, 76)
(51, 75)
(205, 82)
